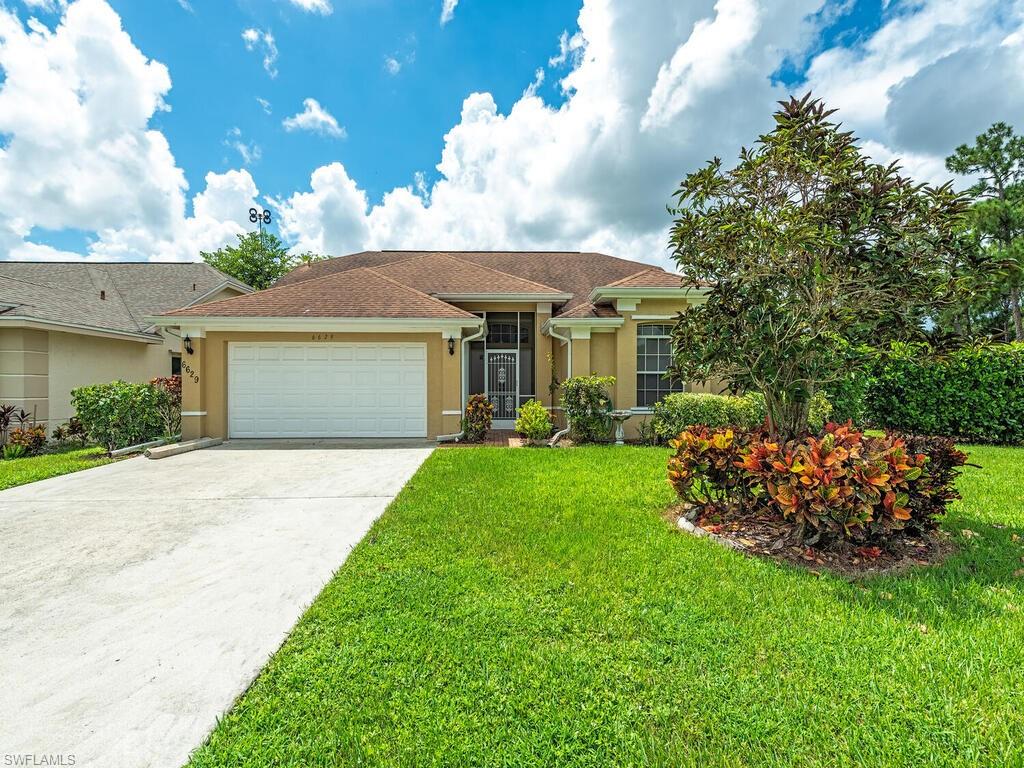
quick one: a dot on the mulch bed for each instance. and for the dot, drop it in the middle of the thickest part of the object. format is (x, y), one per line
(767, 537)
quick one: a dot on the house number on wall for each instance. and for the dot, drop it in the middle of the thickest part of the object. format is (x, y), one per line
(322, 336)
(189, 371)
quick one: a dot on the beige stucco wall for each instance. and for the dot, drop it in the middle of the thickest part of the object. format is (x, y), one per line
(77, 360)
(205, 378)
(605, 353)
(614, 354)
(24, 370)
(39, 369)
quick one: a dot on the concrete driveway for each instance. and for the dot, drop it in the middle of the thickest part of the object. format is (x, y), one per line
(138, 599)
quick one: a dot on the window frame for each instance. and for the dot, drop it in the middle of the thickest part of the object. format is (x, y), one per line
(671, 385)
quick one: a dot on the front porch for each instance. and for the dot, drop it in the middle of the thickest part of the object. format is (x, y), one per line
(503, 364)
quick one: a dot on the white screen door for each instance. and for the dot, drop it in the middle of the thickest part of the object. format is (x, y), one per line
(502, 372)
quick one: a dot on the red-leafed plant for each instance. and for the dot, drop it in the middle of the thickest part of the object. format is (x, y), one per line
(477, 422)
(705, 466)
(839, 484)
(168, 403)
(33, 438)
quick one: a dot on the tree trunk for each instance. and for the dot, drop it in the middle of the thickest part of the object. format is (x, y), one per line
(1018, 326)
(787, 418)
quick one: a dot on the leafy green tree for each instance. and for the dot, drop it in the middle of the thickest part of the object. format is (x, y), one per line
(810, 250)
(997, 160)
(259, 259)
(308, 257)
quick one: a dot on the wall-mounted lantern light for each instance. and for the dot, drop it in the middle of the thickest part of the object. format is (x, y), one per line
(187, 343)
(451, 345)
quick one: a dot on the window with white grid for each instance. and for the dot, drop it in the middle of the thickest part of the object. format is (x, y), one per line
(653, 358)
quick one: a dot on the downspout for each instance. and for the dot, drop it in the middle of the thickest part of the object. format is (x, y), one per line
(568, 371)
(463, 378)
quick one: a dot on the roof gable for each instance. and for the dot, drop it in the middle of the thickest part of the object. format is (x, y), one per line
(361, 292)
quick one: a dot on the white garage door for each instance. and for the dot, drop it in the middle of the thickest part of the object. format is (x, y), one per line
(327, 390)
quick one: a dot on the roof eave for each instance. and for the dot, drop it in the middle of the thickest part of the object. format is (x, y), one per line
(42, 324)
(514, 297)
(320, 323)
(603, 293)
(584, 322)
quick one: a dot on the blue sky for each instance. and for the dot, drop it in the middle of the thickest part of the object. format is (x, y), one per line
(394, 123)
(191, 123)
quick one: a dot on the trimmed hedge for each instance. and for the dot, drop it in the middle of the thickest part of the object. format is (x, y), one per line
(587, 403)
(975, 394)
(680, 410)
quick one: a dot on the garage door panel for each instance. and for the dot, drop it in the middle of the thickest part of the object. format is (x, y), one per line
(327, 390)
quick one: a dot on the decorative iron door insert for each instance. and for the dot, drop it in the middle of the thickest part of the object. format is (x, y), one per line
(503, 383)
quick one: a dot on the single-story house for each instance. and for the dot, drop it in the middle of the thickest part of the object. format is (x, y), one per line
(392, 343)
(64, 325)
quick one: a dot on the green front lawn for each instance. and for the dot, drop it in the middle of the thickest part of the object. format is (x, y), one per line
(531, 607)
(61, 462)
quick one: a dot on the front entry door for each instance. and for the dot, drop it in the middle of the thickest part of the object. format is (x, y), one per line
(502, 383)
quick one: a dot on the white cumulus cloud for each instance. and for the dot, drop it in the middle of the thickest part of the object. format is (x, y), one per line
(79, 153)
(314, 118)
(648, 92)
(653, 91)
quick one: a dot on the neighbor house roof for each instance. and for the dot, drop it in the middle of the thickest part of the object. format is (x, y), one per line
(359, 292)
(104, 297)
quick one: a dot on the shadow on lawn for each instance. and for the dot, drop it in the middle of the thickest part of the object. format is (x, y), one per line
(983, 578)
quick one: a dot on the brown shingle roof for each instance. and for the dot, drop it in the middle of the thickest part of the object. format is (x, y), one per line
(590, 310)
(648, 278)
(567, 271)
(359, 292)
(439, 273)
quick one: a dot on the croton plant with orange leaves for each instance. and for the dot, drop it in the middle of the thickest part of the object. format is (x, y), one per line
(840, 482)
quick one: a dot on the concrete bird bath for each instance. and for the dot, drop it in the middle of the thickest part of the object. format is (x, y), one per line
(620, 418)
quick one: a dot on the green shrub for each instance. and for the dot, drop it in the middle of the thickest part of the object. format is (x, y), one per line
(680, 410)
(848, 394)
(119, 414)
(820, 411)
(587, 403)
(477, 421)
(534, 422)
(975, 394)
(13, 451)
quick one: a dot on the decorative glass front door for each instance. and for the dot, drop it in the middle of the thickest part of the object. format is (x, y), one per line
(502, 373)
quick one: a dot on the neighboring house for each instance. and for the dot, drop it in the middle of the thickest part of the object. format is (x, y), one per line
(391, 343)
(64, 325)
